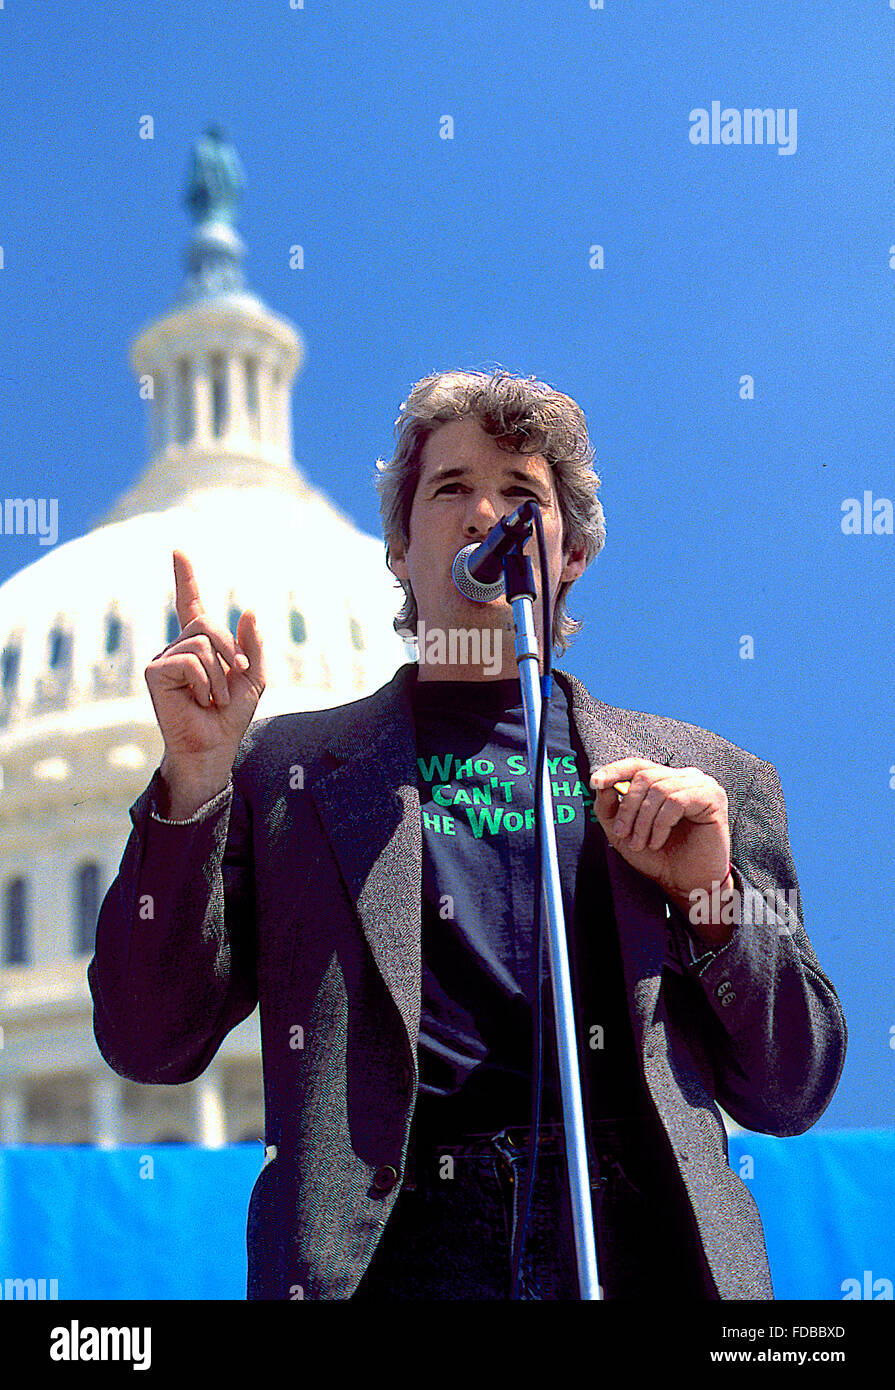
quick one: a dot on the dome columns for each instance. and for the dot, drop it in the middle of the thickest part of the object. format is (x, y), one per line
(222, 386)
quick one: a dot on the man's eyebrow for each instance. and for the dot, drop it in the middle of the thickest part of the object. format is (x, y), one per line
(459, 471)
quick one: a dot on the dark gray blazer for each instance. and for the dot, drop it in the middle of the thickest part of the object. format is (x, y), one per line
(299, 888)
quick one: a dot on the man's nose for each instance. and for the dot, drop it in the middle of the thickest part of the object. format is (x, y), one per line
(483, 514)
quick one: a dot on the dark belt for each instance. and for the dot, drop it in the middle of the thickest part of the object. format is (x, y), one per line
(550, 1137)
(608, 1141)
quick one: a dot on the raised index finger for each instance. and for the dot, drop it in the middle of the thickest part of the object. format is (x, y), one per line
(186, 601)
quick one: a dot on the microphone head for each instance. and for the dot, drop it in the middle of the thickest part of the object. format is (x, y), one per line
(473, 588)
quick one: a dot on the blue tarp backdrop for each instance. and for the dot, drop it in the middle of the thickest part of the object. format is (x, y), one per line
(168, 1222)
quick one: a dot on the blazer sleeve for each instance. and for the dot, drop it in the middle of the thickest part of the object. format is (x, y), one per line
(174, 964)
(777, 1030)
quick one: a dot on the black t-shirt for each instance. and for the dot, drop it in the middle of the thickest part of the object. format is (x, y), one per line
(478, 985)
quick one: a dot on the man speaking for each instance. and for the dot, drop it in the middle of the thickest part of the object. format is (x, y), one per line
(379, 909)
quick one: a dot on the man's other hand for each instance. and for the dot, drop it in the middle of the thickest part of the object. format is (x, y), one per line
(670, 824)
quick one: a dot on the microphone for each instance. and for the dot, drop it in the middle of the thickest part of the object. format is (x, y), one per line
(477, 570)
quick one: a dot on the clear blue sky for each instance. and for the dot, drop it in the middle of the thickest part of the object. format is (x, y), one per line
(571, 128)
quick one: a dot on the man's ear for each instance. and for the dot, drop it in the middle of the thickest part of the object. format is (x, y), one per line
(397, 562)
(575, 565)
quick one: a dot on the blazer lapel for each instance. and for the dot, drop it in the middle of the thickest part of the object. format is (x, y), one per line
(640, 909)
(370, 810)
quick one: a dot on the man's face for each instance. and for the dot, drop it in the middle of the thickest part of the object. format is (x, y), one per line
(466, 484)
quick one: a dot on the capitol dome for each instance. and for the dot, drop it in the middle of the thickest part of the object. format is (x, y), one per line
(78, 735)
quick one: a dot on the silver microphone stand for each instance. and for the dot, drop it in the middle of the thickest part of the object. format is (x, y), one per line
(520, 591)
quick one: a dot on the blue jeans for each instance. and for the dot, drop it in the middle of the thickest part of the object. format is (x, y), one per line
(450, 1234)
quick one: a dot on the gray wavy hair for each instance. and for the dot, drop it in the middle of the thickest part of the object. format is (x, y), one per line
(522, 414)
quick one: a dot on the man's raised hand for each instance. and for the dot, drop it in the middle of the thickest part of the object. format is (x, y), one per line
(205, 687)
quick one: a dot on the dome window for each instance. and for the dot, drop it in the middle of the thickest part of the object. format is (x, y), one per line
(53, 689)
(233, 616)
(113, 673)
(297, 630)
(172, 627)
(87, 906)
(251, 369)
(59, 648)
(218, 395)
(357, 637)
(185, 425)
(16, 911)
(9, 667)
(113, 634)
(157, 415)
